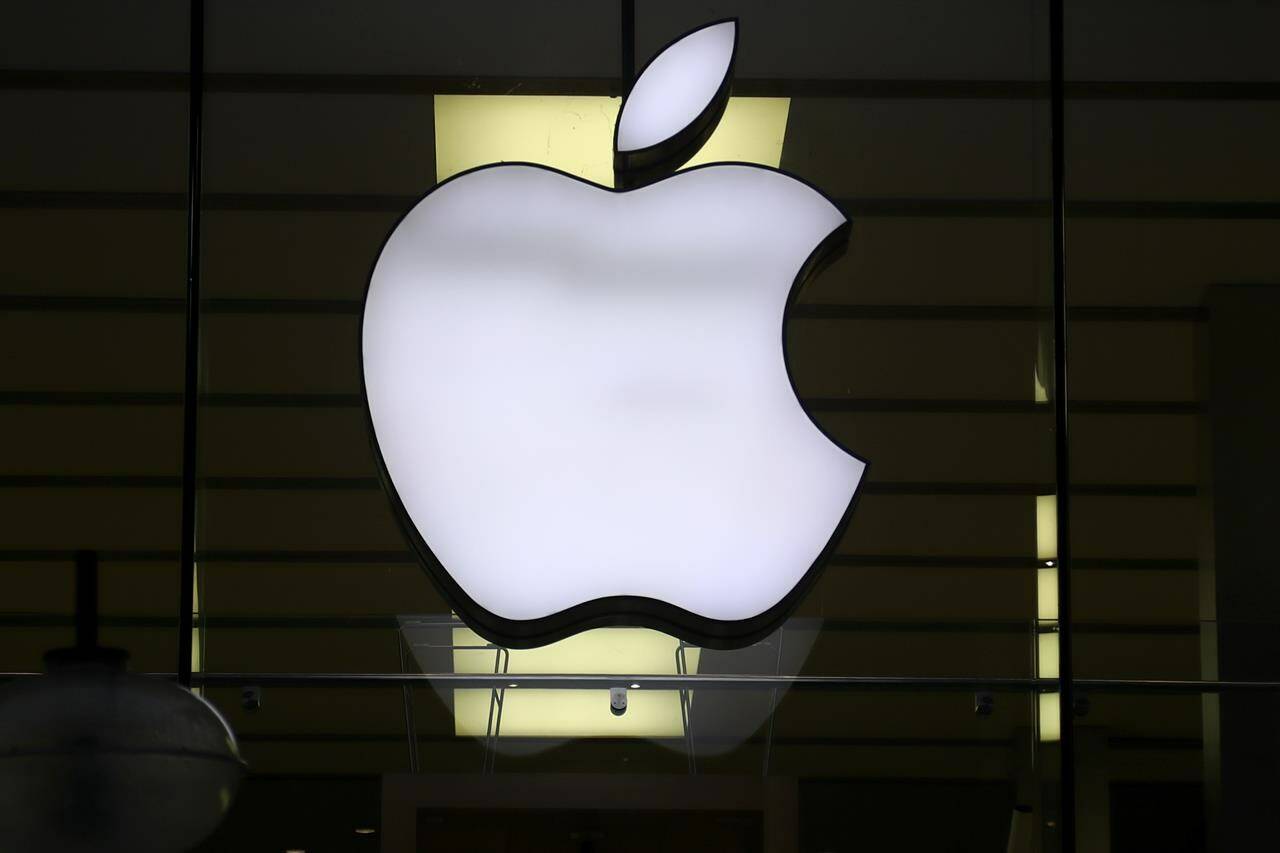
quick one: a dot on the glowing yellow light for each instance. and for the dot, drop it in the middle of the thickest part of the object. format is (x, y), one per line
(1050, 717)
(575, 133)
(197, 628)
(1047, 594)
(751, 131)
(574, 713)
(1047, 654)
(1047, 527)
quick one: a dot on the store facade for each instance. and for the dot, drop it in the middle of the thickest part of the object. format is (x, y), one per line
(1049, 621)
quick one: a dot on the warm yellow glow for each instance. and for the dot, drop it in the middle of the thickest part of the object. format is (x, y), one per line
(1050, 717)
(575, 133)
(1041, 392)
(751, 131)
(197, 629)
(1047, 593)
(571, 133)
(1047, 527)
(575, 713)
(1047, 654)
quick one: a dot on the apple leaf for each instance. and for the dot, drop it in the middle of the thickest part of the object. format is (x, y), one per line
(675, 104)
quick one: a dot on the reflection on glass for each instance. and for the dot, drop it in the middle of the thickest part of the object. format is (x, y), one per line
(517, 718)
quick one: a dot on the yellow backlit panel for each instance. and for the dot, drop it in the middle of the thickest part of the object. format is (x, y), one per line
(575, 133)
(1047, 527)
(1047, 654)
(751, 131)
(575, 713)
(570, 714)
(1050, 717)
(1047, 594)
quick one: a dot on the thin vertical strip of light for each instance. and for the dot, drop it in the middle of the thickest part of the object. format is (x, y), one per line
(191, 363)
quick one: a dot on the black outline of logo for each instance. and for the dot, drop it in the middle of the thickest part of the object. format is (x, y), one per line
(644, 167)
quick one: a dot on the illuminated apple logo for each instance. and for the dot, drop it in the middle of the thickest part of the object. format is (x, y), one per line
(579, 395)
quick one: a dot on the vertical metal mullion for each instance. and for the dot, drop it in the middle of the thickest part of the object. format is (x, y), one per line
(191, 364)
(86, 600)
(1066, 708)
(628, 36)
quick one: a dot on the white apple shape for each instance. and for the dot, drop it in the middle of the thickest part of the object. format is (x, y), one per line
(580, 397)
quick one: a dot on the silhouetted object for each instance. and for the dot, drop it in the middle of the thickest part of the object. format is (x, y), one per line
(93, 758)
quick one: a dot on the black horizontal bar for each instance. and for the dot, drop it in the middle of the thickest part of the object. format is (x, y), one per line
(381, 556)
(165, 481)
(364, 484)
(869, 207)
(1127, 743)
(1136, 407)
(1013, 627)
(614, 742)
(330, 680)
(174, 398)
(1135, 564)
(971, 406)
(998, 313)
(992, 561)
(1031, 489)
(647, 682)
(1173, 743)
(541, 681)
(395, 557)
(801, 311)
(813, 404)
(1159, 686)
(406, 84)
(175, 305)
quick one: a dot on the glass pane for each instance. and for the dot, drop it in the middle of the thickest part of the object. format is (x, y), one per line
(92, 276)
(1171, 133)
(1175, 771)
(924, 348)
(315, 144)
(930, 362)
(830, 760)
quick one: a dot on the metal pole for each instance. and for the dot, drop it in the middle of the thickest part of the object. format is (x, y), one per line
(191, 364)
(548, 681)
(628, 34)
(1066, 708)
(86, 599)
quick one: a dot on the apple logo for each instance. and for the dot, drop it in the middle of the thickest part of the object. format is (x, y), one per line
(578, 396)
